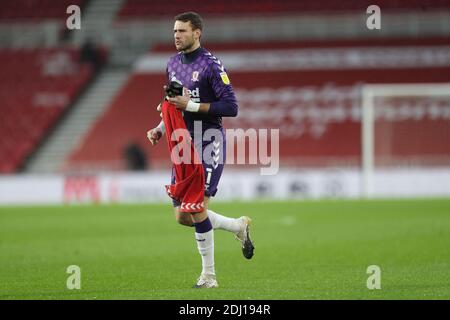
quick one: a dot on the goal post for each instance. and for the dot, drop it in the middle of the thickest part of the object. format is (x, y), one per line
(368, 117)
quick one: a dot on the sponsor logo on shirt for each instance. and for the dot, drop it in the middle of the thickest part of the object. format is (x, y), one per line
(195, 94)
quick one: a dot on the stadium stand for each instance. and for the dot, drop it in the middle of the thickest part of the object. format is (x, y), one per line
(36, 86)
(35, 9)
(130, 112)
(142, 8)
(311, 43)
(133, 107)
(325, 133)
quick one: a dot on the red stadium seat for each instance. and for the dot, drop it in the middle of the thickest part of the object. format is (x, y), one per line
(27, 100)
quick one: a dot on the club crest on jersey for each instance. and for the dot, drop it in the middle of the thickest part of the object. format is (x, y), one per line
(195, 76)
(225, 78)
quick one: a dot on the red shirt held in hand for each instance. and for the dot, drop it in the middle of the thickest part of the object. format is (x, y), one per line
(189, 187)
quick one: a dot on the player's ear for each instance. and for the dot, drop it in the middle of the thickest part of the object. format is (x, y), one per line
(198, 33)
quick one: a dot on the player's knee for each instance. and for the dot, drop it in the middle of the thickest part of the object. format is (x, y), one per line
(184, 219)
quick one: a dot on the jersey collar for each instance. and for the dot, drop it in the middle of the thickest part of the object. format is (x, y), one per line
(190, 57)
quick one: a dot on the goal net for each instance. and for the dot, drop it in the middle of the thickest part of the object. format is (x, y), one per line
(405, 129)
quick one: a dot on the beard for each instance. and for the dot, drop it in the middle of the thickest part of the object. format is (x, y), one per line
(188, 45)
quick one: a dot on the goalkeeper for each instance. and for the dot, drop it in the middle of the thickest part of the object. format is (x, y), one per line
(207, 97)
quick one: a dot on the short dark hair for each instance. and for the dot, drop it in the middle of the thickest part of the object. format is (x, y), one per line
(194, 18)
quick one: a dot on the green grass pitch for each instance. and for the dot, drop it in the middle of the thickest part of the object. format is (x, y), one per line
(304, 250)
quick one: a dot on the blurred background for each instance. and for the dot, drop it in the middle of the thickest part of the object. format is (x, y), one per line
(76, 104)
